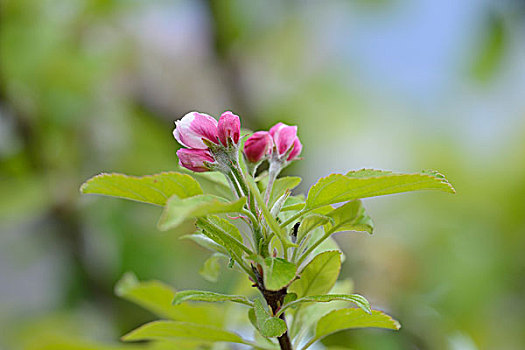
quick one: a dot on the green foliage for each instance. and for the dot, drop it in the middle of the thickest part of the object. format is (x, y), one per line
(205, 242)
(226, 227)
(278, 273)
(307, 315)
(349, 217)
(178, 210)
(282, 185)
(266, 259)
(199, 295)
(328, 244)
(319, 276)
(354, 298)
(152, 189)
(169, 330)
(337, 188)
(157, 297)
(223, 233)
(311, 222)
(293, 207)
(268, 325)
(339, 320)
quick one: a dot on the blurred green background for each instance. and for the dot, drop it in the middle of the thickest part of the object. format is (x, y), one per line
(94, 85)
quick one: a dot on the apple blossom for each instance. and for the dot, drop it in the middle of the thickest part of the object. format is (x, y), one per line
(197, 160)
(296, 150)
(258, 146)
(191, 129)
(217, 140)
(285, 140)
(229, 129)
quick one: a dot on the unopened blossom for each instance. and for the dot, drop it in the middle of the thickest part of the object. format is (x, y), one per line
(198, 160)
(229, 129)
(191, 129)
(210, 145)
(258, 146)
(297, 148)
(286, 141)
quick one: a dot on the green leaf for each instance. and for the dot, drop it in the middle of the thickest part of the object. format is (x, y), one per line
(178, 210)
(226, 227)
(293, 203)
(338, 188)
(281, 185)
(278, 273)
(156, 297)
(354, 298)
(293, 207)
(329, 244)
(57, 340)
(167, 330)
(363, 223)
(289, 298)
(339, 320)
(252, 318)
(278, 205)
(307, 315)
(211, 268)
(224, 233)
(268, 325)
(199, 295)
(205, 242)
(154, 189)
(319, 276)
(309, 223)
(362, 173)
(350, 217)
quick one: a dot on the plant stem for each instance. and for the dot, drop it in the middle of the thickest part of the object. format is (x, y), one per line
(250, 215)
(284, 340)
(234, 184)
(273, 171)
(238, 175)
(270, 220)
(274, 299)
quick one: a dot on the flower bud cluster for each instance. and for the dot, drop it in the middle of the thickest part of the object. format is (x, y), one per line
(206, 139)
(280, 143)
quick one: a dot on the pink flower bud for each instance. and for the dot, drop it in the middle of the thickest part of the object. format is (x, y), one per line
(193, 127)
(284, 138)
(193, 159)
(297, 148)
(258, 146)
(229, 128)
